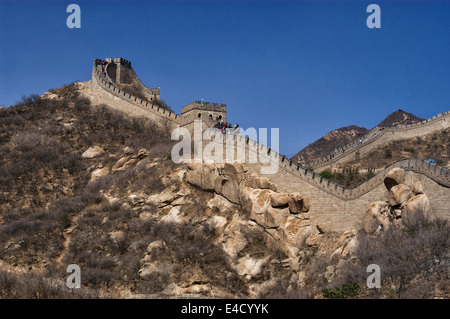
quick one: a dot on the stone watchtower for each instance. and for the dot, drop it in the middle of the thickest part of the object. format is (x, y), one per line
(208, 113)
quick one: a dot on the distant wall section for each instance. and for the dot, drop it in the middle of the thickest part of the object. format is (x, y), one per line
(378, 137)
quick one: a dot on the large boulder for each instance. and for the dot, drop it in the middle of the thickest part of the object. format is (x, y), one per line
(92, 152)
(99, 172)
(194, 174)
(417, 207)
(226, 180)
(221, 203)
(152, 270)
(228, 187)
(173, 216)
(394, 177)
(417, 188)
(120, 163)
(256, 202)
(299, 203)
(223, 179)
(268, 208)
(273, 217)
(399, 194)
(209, 175)
(263, 182)
(278, 200)
(216, 221)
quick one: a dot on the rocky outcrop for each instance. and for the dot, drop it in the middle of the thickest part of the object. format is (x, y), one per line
(241, 204)
(223, 179)
(404, 203)
(399, 194)
(284, 216)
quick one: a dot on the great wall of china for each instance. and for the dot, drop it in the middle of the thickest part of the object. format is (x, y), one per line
(332, 206)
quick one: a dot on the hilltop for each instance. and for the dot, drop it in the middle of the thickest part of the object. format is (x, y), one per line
(399, 118)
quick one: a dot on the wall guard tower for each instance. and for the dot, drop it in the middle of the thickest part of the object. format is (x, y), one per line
(208, 113)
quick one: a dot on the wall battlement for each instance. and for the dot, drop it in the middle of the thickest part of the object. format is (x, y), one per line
(204, 106)
(107, 83)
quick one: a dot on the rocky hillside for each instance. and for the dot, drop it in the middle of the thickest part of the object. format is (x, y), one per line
(345, 135)
(81, 184)
(399, 118)
(325, 145)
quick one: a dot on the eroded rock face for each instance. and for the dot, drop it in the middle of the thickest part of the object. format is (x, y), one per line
(283, 215)
(416, 206)
(294, 232)
(269, 209)
(224, 179)
(374, 216)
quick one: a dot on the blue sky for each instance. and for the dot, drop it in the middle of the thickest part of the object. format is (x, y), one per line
(306, 67)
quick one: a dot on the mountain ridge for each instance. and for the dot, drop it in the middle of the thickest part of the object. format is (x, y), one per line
(348, 134)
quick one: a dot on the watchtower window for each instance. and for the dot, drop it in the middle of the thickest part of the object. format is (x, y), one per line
(199, 115)
(220, 117)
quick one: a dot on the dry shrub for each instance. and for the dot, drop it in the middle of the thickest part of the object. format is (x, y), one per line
(413, 258)
(38, 285)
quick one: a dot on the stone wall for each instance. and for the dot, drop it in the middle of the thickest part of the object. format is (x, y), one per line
(128, 103)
